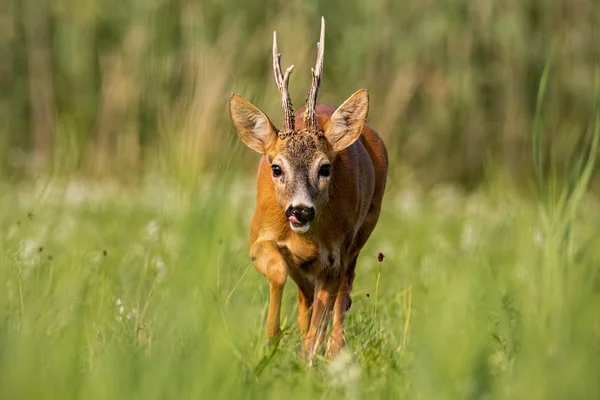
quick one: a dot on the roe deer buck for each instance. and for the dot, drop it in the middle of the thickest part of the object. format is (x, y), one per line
(320, 185)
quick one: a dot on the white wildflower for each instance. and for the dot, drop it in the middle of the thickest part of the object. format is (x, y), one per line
(538, 238)
(76, 193)
(161, 268)
(133, 314)
(343, 372)
(469, 236)
(28, 248)
(153, 230)
(28, 254)
(407, 202)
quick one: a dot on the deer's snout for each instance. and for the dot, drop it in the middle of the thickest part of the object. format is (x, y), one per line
(301, 213)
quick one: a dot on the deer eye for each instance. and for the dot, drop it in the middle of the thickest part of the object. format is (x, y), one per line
(276, 170)
(325, 170)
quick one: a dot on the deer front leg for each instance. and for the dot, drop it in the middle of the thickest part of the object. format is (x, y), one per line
(342, 304)
(268, 261)
(306, 292)
(304, 307)
(325, 294)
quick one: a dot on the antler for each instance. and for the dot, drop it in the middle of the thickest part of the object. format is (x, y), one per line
(282, 85)
(310, 116)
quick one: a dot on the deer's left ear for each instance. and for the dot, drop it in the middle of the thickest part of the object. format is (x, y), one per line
(347, 122)
(253, 126)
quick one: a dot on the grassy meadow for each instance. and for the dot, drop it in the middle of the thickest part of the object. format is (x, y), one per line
(126, 198)
(148, 293)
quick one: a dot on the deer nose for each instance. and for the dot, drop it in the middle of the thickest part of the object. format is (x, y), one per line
(303, 214)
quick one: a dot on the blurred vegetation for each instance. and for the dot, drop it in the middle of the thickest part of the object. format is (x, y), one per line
(119, 87)
(146, 290)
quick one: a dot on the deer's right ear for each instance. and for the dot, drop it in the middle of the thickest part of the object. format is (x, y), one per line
(253, 127)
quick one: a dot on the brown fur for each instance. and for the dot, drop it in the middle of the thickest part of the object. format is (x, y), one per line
(320, 185)
(321, 261)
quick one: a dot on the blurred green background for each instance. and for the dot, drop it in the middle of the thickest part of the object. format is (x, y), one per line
(116, 87)
(126, 197)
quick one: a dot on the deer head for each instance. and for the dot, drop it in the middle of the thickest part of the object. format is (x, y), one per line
(301, 157)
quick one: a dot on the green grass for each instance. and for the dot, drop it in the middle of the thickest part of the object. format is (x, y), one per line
(144, 288)
(145, 293)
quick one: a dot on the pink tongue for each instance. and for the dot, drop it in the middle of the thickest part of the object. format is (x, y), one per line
(293, 219)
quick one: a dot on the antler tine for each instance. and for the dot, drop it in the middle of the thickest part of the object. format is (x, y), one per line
(310, 117)
(282, 82)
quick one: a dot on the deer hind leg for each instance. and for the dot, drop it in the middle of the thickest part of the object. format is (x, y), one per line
(342, 305)
(269, 262)
(343, 300)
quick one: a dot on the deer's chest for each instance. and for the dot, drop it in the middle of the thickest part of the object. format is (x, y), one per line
(300, 252)
(309, 257)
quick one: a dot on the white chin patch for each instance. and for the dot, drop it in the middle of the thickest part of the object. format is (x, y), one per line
(300, 229)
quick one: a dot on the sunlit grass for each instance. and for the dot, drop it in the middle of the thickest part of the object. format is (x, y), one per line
(120, 293)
